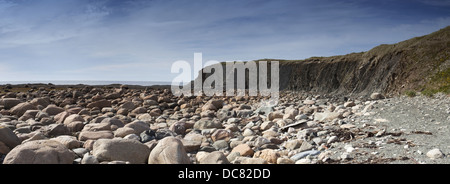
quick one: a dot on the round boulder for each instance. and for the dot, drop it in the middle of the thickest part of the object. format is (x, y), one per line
(121, 149)
(40, 152)
(169, 150)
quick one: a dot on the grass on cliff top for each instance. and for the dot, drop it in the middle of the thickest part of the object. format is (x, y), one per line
(440, 82)
(410, 93)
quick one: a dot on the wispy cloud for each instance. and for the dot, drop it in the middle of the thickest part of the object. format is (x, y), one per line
(435, 2)
(27, 23)
(138, 40)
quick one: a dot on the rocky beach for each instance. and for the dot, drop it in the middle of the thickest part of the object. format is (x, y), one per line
(224, 82)
(137, 125)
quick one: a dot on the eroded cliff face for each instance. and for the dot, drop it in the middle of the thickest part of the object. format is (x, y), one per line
(389, 69)
(341, 75)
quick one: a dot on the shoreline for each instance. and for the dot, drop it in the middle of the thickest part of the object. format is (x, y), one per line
(50, 85)
(85, 82)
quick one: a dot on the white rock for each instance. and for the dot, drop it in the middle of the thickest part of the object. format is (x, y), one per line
(435, 154)
(283, 160)
(349, 148)
(309, 102)
(132, 136)
(332, 139)
(266, 125)
(89, 159)
(324, 155)
(327, 116)
(349, 104)
(368, 107)
(303, 161)
(281, 123)
(233, 120)
(347, 126)
(376, 96)
(356, 107)
(380, 133)
(247, 132)
(381, 120)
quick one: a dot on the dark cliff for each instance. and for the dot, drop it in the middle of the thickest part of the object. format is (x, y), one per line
(418, 64)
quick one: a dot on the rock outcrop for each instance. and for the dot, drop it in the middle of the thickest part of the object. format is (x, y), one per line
(415, 64)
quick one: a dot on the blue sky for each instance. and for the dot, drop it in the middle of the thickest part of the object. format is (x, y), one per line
(138, 40)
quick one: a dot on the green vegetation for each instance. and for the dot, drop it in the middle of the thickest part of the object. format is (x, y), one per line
(440, 82)
(410, 93)
(428, 92)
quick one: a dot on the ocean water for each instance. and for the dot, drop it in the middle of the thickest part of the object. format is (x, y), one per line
(88, 82)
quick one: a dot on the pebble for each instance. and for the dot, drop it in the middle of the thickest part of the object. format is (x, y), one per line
(269, 155)
(303, 161)
(283, 160)
(266, 125)
(220, 144)
(327, 116)
(324, 155)
(435, 154)
(292, 144)
(261, 141)
(216, 157)
(246, 160)
(345, 156)
(89, 159)
(80, 151)
(221, 134)
(232, 156)
(376, 96)
(294, 131)
(243, 149)
(349, 104)
(349, 148)
(317, 140)
(322, 133)
(132, 136)
(347, 126)
(332, 139)
(247, 132)
(305, 146)
(380, 133)
(303, 154)
(301, 117)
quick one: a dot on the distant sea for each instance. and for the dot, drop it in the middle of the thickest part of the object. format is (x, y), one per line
(88, 82)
